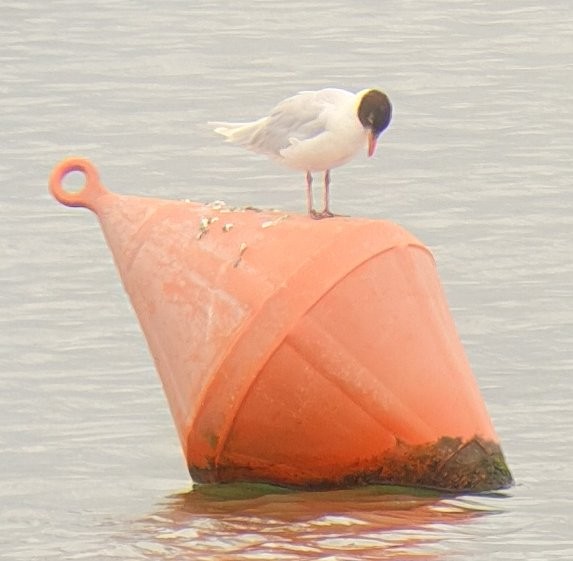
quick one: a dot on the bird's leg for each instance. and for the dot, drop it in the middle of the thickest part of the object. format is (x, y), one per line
(311, 212)
(326, 193)
(326, 210)
(309, 192)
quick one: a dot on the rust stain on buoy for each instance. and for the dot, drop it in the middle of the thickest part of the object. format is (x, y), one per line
(306, 353)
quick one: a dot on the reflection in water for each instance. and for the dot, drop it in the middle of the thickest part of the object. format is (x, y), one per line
(261, 522)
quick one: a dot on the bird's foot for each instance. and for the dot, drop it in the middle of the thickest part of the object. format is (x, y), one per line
(314, 214)
(324, 214)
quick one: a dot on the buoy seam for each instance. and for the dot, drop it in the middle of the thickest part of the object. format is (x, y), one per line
(344, 388)
(246, 388)
(141, 234)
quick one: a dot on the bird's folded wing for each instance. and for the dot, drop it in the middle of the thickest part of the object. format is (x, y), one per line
(294, 120)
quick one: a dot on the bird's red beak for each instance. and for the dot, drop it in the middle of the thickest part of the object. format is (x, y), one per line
(372, 140)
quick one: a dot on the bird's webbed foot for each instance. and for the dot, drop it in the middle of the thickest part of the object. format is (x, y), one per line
(320, 215)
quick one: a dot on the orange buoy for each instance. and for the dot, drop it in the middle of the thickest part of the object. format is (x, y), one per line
(298, 352)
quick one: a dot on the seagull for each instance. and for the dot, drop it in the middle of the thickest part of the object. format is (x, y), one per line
(315, 131)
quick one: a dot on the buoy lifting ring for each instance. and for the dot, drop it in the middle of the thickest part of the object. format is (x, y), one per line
(87, 195)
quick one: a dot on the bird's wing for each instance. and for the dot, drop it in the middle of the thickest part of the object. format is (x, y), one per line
(295, 119)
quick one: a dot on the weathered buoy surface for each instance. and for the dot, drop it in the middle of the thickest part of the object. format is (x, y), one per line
(298, 352)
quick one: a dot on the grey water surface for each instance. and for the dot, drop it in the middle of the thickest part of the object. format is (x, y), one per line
(476, 163)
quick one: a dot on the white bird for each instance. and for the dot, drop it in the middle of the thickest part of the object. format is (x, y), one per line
(315, 131)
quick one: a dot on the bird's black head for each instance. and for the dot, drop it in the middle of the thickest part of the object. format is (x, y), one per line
(375, 111)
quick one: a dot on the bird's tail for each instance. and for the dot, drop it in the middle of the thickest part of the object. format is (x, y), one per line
(238, 133)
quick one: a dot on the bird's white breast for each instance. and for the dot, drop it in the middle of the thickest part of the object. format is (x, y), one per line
(341, 137)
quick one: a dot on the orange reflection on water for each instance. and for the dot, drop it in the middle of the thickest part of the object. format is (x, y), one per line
(238, 522)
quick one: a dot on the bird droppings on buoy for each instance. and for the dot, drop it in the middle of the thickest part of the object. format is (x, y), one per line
(303, 353)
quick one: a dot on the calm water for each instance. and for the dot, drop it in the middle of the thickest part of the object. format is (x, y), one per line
(477, 163)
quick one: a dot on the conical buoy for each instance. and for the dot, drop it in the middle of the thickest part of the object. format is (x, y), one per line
(313, 354)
